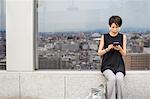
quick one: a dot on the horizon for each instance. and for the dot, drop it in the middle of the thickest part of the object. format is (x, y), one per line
(104, 30)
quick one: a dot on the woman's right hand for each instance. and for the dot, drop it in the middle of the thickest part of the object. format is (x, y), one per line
(110, 46)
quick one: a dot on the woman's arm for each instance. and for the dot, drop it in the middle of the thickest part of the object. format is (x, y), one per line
(123, 50)
(102, 51)
(120, 49)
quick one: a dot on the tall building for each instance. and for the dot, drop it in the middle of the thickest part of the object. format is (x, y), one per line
(137, 61)
(49, 63)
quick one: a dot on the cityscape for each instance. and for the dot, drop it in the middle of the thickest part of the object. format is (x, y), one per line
(78, 51)
(69, 32)
(2, 50)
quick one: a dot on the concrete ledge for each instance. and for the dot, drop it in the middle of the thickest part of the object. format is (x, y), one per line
(42, 86)
(9, 85)
(67, 84)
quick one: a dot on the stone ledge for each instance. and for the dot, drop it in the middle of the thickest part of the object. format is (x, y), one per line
(67, 84)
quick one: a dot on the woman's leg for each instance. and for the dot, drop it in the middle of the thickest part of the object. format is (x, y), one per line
(111, 84)
(119, 78)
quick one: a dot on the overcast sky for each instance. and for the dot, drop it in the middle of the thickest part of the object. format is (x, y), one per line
(64, 15)
(2, 15)
(72, 15)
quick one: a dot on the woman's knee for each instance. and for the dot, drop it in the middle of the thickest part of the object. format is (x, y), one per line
(110, 75)
(119, 77)
(112, 79)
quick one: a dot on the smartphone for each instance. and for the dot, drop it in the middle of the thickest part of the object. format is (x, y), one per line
(115, 43)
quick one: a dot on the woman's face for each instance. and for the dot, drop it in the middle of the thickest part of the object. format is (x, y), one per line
(114, 28)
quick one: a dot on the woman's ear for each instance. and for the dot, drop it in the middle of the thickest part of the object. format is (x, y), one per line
(119, 28)
(109, 29)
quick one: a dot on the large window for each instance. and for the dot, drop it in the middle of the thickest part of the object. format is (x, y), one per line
(69, 32)
(2, 35)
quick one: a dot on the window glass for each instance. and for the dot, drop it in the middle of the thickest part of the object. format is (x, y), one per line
(2, 35)
(69, 32)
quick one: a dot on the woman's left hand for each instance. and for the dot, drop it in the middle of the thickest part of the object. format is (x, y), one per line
(118, 47)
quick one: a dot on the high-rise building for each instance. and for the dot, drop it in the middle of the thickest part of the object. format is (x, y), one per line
(137, 61)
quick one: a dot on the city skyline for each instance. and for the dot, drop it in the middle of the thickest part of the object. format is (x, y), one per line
(78, 51)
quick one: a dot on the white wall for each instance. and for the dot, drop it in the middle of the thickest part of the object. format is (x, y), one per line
(19, 35)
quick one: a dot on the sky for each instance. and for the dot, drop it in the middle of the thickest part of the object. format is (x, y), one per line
(78, 15)
(2, 15)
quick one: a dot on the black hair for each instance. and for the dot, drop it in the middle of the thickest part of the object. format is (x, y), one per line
(115, 19)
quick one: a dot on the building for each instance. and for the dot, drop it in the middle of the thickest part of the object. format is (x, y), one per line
(137, 61)
(49, 63)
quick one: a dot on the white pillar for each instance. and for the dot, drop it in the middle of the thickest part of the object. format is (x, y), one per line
(19, 35)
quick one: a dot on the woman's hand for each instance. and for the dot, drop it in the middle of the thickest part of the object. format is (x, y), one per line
(110, 46)
(118, 47)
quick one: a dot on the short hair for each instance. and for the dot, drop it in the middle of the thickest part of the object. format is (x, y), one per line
(115, 19)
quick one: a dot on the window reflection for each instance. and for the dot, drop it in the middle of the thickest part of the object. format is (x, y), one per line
(2, 36)
(69, 32)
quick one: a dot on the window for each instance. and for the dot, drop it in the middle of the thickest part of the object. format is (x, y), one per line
(69, 32)
(2, 35)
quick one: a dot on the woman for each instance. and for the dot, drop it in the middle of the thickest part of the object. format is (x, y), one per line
(112, 47)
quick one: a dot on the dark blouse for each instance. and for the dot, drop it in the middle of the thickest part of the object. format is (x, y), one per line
(113, 59)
